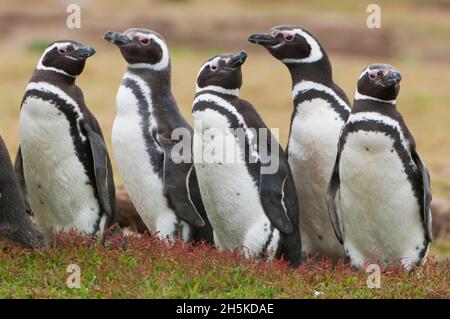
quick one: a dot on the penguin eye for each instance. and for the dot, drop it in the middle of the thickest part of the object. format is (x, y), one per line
(372, 75)
(214, 67)
(62, 50)
(288, 37)
(145, 41)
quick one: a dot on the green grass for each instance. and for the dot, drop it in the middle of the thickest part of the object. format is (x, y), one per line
(151, 269)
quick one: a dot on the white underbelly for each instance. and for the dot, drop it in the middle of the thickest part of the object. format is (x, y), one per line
(58, 187)
(312, 152)
(380, 213)
(141, 182)
(230, 195)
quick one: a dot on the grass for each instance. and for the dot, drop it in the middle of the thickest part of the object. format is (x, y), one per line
(149, 269)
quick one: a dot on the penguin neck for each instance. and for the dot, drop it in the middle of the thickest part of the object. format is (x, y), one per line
(319, 71)
(371, 105)
(226, 96)
(160, 80)
(52, 77)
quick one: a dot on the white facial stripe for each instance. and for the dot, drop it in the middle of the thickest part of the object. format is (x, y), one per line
(377, 117)
(230, 108)
(363, 73)
(143, 35)
(41, 66)
(162, 64)
(47, 87)
(316, 53)
(214, 61)
(359, 96)
(305, 86)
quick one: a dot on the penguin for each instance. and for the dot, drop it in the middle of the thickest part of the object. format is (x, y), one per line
(379, 193)
(320, 110)
(15, 226)
(248, 208)
(62, 162)
(164, 192)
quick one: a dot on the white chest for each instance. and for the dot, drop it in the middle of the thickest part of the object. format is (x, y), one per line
(59, 189)
(314, 133)
(230, 195)
(141, 181)
(312, 151)
(380, 213)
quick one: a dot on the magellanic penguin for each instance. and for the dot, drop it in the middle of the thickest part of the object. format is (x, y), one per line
(15, 226)
(379, 193)
(320, 110)
(164, 191)
(62, 162)
(248, 209)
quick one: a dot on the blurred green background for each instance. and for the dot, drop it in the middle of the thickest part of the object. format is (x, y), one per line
(414, 36)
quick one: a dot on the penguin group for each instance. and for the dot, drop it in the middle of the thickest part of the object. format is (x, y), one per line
(349, 184)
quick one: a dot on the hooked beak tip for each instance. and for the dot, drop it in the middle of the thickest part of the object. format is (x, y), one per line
(393, 78)
(237, 60)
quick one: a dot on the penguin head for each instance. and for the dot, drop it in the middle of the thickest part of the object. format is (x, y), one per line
(66, 56)
(379, 81)
(289, 44)
(141, 48)
(222, 73)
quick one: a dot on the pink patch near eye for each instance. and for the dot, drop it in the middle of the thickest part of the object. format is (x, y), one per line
(62, 50)
(288, 37)
(372, 76)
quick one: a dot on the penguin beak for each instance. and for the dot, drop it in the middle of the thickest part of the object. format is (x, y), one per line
(263, 39)
(236, 60)
(393, 77)
(117, 38)
(82, 53)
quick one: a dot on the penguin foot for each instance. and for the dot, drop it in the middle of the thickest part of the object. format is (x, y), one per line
(114, 237)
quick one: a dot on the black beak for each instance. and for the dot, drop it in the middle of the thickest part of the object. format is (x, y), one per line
(392, 78)
(263, 39)
(236, 60)
(116, 38)
(82, 53)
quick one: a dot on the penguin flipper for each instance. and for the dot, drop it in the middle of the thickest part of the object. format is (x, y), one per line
(332, 189)
(175, 187)
(272, 198)
(426, 185)
(102, 170)
(18, 168)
